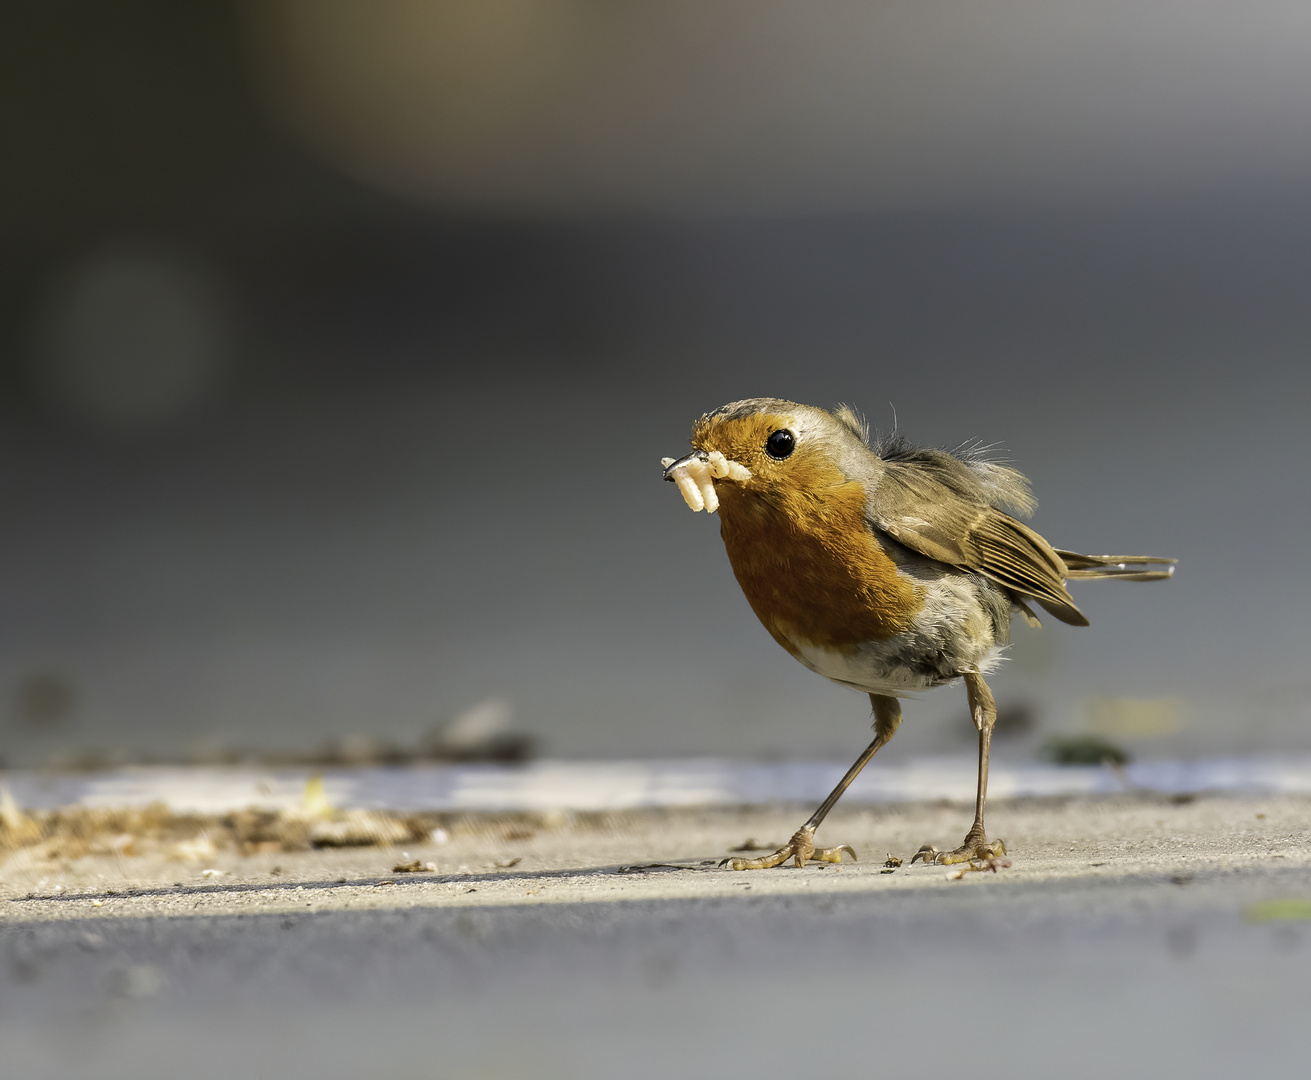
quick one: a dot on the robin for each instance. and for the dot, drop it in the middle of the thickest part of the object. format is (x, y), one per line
(883, 566)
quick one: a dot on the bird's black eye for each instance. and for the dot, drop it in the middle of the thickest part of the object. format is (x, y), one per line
(780, 444)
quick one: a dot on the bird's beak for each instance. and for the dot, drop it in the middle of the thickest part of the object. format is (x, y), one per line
(682, 463)
(696, 474)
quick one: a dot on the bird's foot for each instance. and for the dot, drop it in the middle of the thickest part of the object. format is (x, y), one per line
(977, 848)
(801, 848)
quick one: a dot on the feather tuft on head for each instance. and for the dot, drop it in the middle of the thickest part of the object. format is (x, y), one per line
(853, 422)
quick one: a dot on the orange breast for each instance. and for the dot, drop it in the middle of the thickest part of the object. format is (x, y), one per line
(810, 568)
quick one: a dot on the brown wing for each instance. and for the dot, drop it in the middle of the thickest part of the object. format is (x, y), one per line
(928, 510)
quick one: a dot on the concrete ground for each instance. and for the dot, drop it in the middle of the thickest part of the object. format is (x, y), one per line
(1130, 935)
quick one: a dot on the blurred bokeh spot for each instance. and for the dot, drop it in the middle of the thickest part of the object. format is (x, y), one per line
(130, 337)
(44, 698)
(1138, 717)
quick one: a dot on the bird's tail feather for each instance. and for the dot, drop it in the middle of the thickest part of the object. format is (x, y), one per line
(1124, 567)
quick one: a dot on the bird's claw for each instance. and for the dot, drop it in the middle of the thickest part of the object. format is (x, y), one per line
(971, 851)
(800, 849)
(928, 854)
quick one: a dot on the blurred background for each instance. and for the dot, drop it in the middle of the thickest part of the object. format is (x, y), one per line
(340, 342)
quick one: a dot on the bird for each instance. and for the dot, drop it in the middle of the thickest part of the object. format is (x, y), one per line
(884, 566)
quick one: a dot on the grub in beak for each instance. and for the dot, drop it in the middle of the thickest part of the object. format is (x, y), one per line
(696, 473)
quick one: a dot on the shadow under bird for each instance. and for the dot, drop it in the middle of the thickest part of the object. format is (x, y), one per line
(886, 567)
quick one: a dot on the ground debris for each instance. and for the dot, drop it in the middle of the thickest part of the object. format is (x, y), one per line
(72, 832)
(975, 865)
(35, 838)
(360, 828)
(16, 828)
(416, 866)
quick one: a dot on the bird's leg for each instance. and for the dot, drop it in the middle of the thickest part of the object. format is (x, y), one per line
(887, 718)
(983, 710)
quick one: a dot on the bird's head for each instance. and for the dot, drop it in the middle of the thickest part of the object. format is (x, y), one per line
(772, 450)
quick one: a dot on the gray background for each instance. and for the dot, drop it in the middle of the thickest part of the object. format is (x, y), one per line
(339, 345)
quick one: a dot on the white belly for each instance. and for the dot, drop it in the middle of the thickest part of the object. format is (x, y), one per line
(877, 671)
(952, 635)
